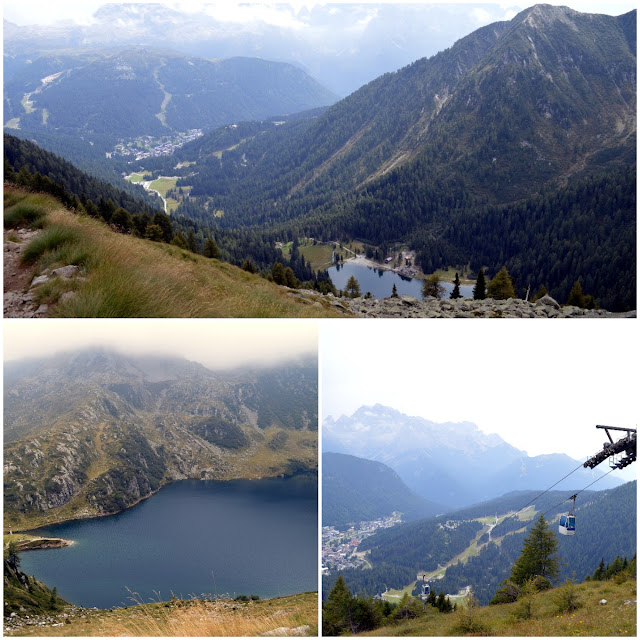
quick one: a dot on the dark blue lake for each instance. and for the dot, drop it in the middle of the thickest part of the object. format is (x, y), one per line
(240, 537)
(379, 282)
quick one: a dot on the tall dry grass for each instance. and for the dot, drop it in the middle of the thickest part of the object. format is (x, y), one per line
(217, 618)
(124, 276)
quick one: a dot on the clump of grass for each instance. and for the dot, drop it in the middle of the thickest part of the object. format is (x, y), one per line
(566, 598)
(467, 619)
(24, 214)
(50, 292)
(12, 197)
(51, 239)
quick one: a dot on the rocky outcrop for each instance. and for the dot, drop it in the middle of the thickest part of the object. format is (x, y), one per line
(409, 307)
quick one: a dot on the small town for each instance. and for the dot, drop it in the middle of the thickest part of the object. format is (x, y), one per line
(153, 147)
(339, 547)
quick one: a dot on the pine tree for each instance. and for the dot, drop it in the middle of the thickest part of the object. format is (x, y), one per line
(432, 287)
(353, 288)
(539, 555)
(394, 291)
(501, 287)
(455, 294)
(479, 290)
(576, 298)
(210, 249)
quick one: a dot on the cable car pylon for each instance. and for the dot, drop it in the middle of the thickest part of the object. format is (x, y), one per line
(625, 446)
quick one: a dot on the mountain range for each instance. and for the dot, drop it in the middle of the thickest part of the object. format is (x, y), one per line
(93, 432)
(136, 91)
(495, 152)
(341, 45)
(355, 490)
(509, 108)
(515, 147)
(454, 464)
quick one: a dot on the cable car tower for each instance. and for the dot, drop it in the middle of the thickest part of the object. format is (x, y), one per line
(625, 449)
(621, 454)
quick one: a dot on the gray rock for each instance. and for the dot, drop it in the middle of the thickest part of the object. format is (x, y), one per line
(65, 272)
(69, 295)
(547, 301)
(39, 280)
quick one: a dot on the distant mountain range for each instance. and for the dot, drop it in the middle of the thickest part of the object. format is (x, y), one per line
(131, 92)
(93, 432)
(341, 45)
(449, 463)
(354, 490)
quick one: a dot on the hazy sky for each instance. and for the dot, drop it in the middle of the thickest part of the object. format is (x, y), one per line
(542, 386)
(24, 12)
(216, 344)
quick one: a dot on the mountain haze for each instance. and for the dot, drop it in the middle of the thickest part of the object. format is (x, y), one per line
(450, 463)
(354, 489)
(93, 432)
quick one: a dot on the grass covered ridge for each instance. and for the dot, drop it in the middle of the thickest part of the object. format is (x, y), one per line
(190, 618)
(123, 276)
(548, 614)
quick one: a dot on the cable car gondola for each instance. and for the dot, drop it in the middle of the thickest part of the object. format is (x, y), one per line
(426, 589)
(567, 525)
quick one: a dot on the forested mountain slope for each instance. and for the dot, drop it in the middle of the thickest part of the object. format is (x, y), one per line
(134, 92)
(355, 489)
(508, 108)
(93, 432)
(34, 168)
(606, 527)
(492, 152)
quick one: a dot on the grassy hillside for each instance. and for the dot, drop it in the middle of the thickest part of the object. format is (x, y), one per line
(123, 276)
(549, 615)
(291, 615)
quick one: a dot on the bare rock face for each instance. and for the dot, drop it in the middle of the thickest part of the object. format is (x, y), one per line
(94, 432)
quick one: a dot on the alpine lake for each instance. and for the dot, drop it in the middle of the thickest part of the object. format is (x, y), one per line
(191, 539)
(379, 282)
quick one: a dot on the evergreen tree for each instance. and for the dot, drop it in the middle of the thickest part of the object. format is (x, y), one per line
(576, 298)
(247, 265)
(192, 243)
(479, 290)
(210, 249)
(432, 287)
(539, 555)
(394, 291)
(501, 287)
(455, 294)
(13, 559)
(277, 272)
(352, 289)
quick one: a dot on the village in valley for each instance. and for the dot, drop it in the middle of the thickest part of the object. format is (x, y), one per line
(152, 146)
(339, 547)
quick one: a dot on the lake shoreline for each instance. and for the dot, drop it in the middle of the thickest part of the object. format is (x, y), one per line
(138, 548)
(31, 529)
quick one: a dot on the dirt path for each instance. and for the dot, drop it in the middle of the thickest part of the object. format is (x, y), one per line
(18, 300)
